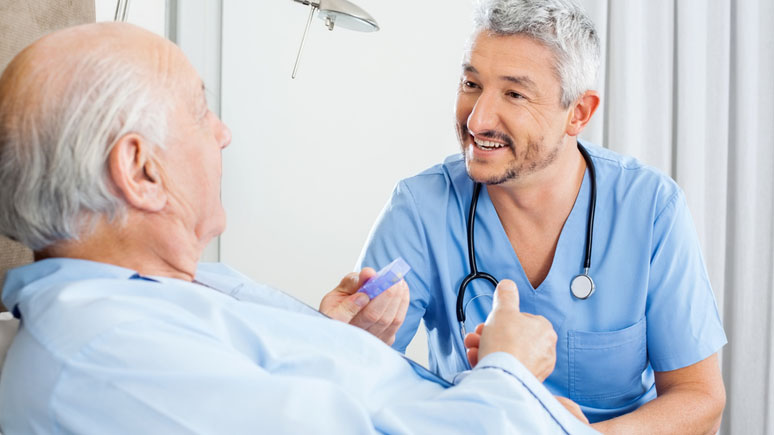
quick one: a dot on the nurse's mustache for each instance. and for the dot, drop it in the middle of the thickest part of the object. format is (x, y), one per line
(495, 135)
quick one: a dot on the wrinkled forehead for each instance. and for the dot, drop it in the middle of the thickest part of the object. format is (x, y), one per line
(513, 58)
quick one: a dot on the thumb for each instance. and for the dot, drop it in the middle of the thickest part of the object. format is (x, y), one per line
(506, 295)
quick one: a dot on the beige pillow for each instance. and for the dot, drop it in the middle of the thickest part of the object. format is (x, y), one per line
(8, 327)
(12, 255)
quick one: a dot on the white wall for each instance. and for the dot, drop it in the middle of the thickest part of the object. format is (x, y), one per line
(313, 160)
(148, 14)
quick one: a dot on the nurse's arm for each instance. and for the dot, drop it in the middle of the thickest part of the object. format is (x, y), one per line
(381, 316)
(690, 401)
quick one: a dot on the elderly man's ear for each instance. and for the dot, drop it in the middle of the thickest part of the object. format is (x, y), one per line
(136, 173)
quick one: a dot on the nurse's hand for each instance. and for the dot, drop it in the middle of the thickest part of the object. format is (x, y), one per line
(530, 338)
(472, 341)
(381, 316)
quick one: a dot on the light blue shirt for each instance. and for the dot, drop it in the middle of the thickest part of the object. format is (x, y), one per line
(103, 350)
(653, 308)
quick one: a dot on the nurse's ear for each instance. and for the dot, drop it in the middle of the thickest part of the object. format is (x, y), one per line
(581, 111)
(135, 173)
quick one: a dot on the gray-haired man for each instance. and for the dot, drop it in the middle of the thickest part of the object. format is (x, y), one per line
(639, 354)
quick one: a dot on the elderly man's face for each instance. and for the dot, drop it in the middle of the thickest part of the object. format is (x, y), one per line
(193, 153)
(510, 122)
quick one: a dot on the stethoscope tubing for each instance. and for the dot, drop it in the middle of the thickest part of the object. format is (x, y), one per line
(476, 274)
(592, 207)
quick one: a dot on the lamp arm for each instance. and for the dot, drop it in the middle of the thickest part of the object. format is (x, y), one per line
(312, 9)
(315, 3)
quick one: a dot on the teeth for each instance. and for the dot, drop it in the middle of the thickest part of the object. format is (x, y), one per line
(487, 145)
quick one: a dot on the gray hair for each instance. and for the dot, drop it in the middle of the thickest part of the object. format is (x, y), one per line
(562, 25)
(58, 125)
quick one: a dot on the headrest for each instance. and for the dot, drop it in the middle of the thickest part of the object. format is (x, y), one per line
(12, 254)
(8, 327)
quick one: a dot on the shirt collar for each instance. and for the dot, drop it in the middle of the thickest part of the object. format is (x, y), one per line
(22, 282)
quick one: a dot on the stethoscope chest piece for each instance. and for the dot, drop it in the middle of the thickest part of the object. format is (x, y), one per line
(582, 286)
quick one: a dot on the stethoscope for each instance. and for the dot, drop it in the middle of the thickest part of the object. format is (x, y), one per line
(581, 286)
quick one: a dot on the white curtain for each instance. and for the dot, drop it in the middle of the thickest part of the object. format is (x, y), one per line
(688, 87)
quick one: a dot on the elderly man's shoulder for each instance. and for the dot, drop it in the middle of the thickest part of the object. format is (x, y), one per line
(66, 303)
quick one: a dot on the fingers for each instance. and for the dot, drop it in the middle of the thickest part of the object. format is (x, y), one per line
(349, 307)
(506, 295)
(472, 340)
(349, 284)
(473, 356)
(393, 315)
(384, 315)
(365, 274)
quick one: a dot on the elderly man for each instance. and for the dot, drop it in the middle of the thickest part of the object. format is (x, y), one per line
(553, 213)
(110, 172)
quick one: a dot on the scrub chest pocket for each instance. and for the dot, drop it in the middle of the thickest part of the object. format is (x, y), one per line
(605, 368)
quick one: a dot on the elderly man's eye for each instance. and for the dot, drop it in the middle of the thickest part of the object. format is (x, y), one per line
(514, 95)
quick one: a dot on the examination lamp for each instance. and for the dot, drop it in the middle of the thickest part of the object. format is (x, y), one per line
(122, 10)
(341, 13)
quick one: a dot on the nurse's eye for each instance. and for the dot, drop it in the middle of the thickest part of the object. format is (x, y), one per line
(467, 85)
(514, 95)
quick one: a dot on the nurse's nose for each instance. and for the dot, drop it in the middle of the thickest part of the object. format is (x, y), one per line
(485, 115)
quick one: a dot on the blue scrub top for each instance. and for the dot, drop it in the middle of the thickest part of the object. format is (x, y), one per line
(653, 308)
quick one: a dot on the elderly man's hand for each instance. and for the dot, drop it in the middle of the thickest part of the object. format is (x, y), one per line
(531, 339)
(381, 316)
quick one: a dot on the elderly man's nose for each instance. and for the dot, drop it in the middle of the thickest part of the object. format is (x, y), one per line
(224, 137)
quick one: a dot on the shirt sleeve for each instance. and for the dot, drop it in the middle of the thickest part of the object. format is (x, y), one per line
(399, 232)
(476, 402)
(183, 381)
(683, 324)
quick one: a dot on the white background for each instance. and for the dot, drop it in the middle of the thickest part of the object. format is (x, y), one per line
(149, 14)
(314, 159)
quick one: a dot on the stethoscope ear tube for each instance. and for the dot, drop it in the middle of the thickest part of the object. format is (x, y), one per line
(592, 208)
(474, 273)
(581, 286)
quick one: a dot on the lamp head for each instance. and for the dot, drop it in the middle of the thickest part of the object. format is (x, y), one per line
(344, 13)
(333, 12)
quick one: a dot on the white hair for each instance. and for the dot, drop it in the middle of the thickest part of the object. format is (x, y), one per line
(58, 125)
(562, 25)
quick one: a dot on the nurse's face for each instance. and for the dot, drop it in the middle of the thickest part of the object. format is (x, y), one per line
(510, 121)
